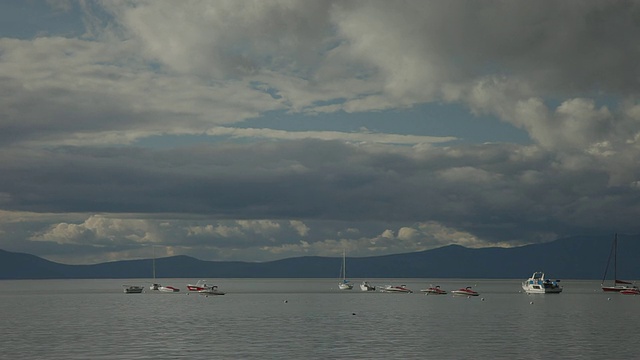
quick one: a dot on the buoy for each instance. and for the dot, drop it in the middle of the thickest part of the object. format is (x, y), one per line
(608, 298)
(286, 301)
(531, 302)
(482, 299)
(353, 313)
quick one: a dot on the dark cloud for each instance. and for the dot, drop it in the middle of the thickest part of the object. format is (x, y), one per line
(71, 108)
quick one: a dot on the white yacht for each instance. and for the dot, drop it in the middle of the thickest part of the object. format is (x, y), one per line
(537, 284)
(396, 289)
(365, 286)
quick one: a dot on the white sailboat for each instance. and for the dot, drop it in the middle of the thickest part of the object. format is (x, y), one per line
(155, 286)
(344, 284)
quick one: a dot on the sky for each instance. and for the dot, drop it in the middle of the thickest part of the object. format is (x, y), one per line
(261, 130)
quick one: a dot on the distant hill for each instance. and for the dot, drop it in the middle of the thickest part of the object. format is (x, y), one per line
(569, 258)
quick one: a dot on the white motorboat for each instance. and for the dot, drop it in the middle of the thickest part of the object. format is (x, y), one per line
(465, 292)
(203, 288)
(537, 284)
(344, 284)
(210, 290)
(133, 289)
(396, 289)
(434, 290)
(365, 286)
(168, 289)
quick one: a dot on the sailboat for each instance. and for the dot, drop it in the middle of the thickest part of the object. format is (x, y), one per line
(618, 285)
(155, 286)
(344, 284)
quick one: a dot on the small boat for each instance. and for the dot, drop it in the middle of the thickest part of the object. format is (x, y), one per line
(155, 286)
(133, 289)
(365, 286)
(203, 288)
(168, 289)
(618, 285)
(630, 292)
(396, 289)
(210, 290)
(465, 292)
(344, 284)
(537, 284)
(434, 290)
(200, 285)
(158, 287)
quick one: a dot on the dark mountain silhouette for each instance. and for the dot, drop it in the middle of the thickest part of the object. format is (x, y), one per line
(569, 258)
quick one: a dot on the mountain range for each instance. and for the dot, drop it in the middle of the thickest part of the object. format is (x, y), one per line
(569, 258)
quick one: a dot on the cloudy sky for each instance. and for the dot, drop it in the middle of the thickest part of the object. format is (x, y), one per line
(260, 130)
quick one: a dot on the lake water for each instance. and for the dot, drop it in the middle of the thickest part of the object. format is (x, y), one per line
(311, 319)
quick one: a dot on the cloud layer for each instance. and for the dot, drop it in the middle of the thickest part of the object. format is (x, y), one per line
(79, 184)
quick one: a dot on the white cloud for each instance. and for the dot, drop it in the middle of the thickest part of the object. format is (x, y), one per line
(300, 227)
(327, 135)
(98, 230)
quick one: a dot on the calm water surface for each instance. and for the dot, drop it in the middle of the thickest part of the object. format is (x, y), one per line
(310, 318)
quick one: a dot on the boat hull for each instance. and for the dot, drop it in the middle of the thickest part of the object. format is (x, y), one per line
(211, 292)
(540, 290)
(618, 288)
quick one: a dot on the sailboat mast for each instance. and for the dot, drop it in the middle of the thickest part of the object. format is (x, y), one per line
(344, 264)
(615, 259)
(154, 262)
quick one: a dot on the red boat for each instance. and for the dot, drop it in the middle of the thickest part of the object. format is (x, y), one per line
(630, 292)
(203, 288)
(199, 286)
(396, 289)
(465, 292)
(434, 290)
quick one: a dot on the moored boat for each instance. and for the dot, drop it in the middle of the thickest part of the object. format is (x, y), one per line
(168, 289)
(344, 284)
(365, 286)
(203, 288)
(618, 285)
(630, 292)
(200, 285)
(396, 289)
(211, 290)
(133, 289)
(433, 290)
(465, 292)
(155, 286)
(537, 284)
